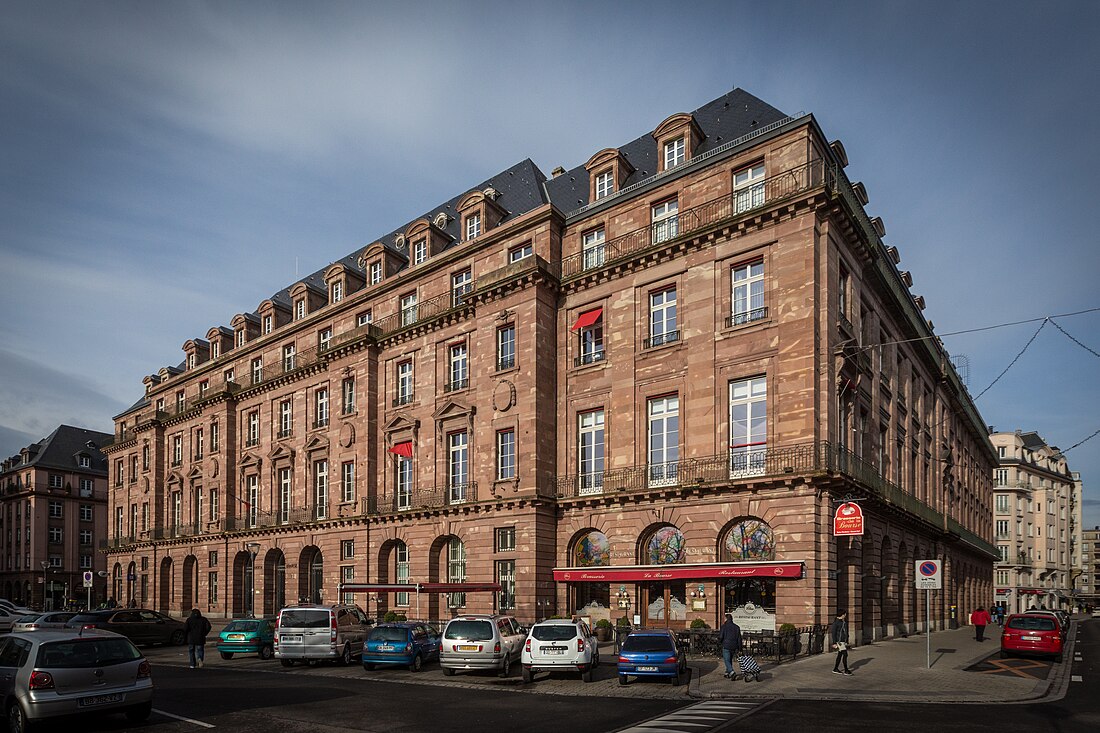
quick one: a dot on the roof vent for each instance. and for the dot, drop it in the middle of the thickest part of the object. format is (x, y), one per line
(841, 154)
(919, 300)
(907, 278)
(441, 220)
(860, 191)
(892, 251)
(557, 171)
(879, 225)
(491, 193)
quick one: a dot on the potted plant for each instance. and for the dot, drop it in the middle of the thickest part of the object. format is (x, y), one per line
(603, 630)
(699, 624)
(788, 639)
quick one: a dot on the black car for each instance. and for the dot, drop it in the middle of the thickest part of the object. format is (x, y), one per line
(139, 625)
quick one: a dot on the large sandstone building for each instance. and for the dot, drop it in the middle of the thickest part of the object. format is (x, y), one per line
(639, 387)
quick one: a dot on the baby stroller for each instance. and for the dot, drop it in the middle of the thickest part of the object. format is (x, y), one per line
(749, 666)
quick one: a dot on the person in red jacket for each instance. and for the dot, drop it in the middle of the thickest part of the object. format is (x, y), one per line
(980, 619)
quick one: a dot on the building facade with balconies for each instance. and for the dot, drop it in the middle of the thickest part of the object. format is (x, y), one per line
(639, 387)
(53, 519)
(1037, 509)
(1089, 581)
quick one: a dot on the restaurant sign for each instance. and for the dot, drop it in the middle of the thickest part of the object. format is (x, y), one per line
(848, 520)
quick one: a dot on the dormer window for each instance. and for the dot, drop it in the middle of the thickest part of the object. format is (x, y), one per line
(85, 462)
(215, 349)
(675, 152)
(299, 309)
(268, 324)
(473, 226)
(190, 361)
(420, 251)
(337, 292)
(375, 273)
(605, 184)
(240, 337)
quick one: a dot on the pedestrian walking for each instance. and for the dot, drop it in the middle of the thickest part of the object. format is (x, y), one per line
(729, 636)
(196, 628)
(980, 619)
(839, 633)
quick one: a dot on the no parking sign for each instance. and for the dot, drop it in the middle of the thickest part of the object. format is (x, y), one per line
(929, 575)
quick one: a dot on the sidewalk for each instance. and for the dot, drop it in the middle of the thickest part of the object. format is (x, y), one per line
(891, 671)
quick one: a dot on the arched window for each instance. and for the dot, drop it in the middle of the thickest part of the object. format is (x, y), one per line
(749, 539)
(591, 550)
(665, 547)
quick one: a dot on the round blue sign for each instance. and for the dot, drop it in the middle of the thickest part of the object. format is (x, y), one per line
(928, 568)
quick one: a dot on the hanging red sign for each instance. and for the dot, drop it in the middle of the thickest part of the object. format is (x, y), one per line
(848, 520)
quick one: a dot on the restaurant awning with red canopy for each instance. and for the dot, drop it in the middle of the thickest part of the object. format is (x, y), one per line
(418, 587)
(587, 318)
(698, 571)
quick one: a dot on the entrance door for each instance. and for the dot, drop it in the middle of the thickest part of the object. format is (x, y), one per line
(664, 606)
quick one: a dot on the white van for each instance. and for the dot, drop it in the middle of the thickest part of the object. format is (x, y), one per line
(309, 632)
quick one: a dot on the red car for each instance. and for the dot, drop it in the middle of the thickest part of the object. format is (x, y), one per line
(1026, 633)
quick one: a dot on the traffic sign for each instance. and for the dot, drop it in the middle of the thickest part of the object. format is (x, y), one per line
(89, 578)
(929, 575)
(848, 520)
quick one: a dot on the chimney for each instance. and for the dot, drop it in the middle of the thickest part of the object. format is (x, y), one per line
(557, 171)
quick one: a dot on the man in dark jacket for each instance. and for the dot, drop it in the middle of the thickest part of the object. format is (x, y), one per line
(839, 633)
(729, 636)
(196, 627)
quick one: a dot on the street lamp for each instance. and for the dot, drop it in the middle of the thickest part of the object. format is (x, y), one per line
(253, 548)
(45, 569)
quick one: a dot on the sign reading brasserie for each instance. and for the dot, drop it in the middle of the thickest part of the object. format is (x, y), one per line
(751, 617)
(848, 520)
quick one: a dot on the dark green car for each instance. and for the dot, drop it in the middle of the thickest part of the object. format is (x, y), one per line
(248, 636)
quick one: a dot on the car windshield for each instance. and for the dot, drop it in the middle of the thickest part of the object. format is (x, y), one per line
(304, 618)
(242, 626)
(1031, 623)
(80, 653)
(56, 617)
(647, 643)
(388, 633)
(554, 632)
(469, 630)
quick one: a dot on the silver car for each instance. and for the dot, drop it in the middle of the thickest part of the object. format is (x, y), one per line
(560, 645)
(46, 674)
(478, 641)
(308, 633)
(39, 621)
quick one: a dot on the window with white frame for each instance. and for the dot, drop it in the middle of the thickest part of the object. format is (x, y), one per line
(748, 426)
(177, 509)
(285, 487)
(506, 346)
(663, 327)
(347, 396)
(456, 570)
(404, 383)
(1001, 502)
(290, 357)
(85, 562)
(590, 338)
(420, 251)
(190, 361)
(458, 465)
(177, 450)
(86, 537)
(1000, 476)
(324, 339)
(347, 549)
(458, 367)
(253, 428)
(521, 252)
(364, 318)
(257, 370)
(118, 522)
(674, 152)
(85, 512)
(590, 451)
(347, 481)
(180, 401)
(401, 571)
(215, 350)
(337, 292)
(408, 309)
(506, 539)
(320, 488)
(252, 484)
(664, 440)
(665, 220)
(241, 337)
(197, 441)
(605, 184)
(403, 482)
(375, 273)
(506, 577)
(215, 438)
(1001, 527)
(473, 226)
(461, 284)
(214, 508)
(506, 454)
(748, 188)
(286, 418)
(268, 324)
(229, 376)
(593, 248)
(299, 309)
(748, 293)
(57, 535)
(320, 408)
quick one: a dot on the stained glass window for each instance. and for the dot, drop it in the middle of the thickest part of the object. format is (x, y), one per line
(750, 539)
(665, 547)
(592, 549)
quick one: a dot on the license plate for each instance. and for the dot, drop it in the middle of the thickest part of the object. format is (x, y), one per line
(87, 702)
(235, 637)
(467, 647)
(386, 647)
(293, 638)
(647, 669)
(554, 649)
(1031, 638)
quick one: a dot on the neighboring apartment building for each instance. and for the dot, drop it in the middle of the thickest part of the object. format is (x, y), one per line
(1036, 514)
(1089, 583)
(53, 514)
(639, 387)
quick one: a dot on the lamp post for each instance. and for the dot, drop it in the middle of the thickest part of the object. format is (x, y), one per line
(253, 549)
(45, 569)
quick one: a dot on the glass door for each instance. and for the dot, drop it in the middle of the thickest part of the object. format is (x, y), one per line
(664, 606)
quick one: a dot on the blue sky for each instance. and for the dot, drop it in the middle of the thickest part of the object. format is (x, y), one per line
(164, 166)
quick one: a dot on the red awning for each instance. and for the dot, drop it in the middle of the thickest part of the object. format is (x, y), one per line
(403, 449)
(587, 318)
(419, 587)
(701, 571)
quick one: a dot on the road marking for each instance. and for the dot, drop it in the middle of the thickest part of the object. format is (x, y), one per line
(696, 718)
(1076, 678)
(180, 717)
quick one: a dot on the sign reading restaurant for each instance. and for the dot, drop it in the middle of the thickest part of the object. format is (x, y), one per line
(848, 520)
(699, 571)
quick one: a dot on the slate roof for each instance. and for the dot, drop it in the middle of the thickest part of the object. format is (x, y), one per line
(732, 115)
(59, 450)
(1032, 441)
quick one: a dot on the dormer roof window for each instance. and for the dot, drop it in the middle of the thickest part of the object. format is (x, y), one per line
(479, 213)
(337, 292)
(674, 152)
(299, 309)
(607, 172)
(420, 251)
(678, 138)
(268, 324)
(605, 184)
(375, 272)
(473, 226)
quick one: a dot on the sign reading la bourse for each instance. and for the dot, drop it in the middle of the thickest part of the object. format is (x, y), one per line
(848, 520)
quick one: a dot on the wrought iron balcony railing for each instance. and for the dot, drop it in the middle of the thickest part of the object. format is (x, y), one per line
(435, 497)
(591, 357)
(667, 337)
(746, 317)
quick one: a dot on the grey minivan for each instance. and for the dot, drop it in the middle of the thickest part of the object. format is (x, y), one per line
(308, 633)
(478, 641)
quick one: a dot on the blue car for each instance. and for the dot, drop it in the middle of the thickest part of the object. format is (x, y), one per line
(247, 636)
(651, 653)
(404, 643)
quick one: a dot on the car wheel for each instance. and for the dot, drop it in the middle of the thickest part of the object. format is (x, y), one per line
(448, 672)
(586, 675)
(266, 652)
(226, 655)
(17, 719)
(287, 662)
(139, 713)
(417, 664)
(622, 680)
(177, 637)
(505, 668)
(345, 657)
(528, 675)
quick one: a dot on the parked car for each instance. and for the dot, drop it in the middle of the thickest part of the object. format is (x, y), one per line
(1059, 616)
(50, 673)
(309, 633)
(1032, 633)
(481, 642)
(139, 625)
(651, 653)
(248, 636)
(405, 643)
(560, 645)
(37, 621)
(8, 617)
(1096, 612)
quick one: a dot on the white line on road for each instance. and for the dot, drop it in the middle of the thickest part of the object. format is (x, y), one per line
(180, 717)
(1076, 678)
